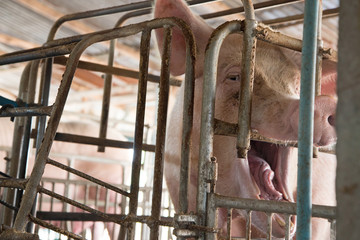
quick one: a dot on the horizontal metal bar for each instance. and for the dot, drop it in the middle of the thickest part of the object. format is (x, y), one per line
(77, 216)
(299, 18)
(25, 111)
(88, 177)
(13, 183)
(73, 138)
(271, 206)
(114, 70)
(230, 129)
(54, 228)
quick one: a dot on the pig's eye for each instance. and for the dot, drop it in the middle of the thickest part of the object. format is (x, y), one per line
(233, 77)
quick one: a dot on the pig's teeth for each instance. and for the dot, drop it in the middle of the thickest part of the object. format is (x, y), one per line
(280, 221)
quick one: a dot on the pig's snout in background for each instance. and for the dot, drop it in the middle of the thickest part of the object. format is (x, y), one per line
(324, 120)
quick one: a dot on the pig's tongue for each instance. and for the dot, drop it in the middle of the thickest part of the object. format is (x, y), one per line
(263, 176)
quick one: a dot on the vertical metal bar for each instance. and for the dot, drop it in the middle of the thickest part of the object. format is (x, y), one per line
(318, 65)
(269, 226)
(106, 97)
(229, 218)
(333, 229)
(188, 110)
(161, 133)
(248, 225)
(211, 220)
(207, 113)
(247, 79)
(287, 226)
(139, 128)
(306, 120)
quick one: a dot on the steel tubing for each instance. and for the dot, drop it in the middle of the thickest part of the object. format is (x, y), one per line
(161, 133)
(269, 206)
(306, 120)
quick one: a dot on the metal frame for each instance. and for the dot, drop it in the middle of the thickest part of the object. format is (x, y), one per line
(77, 44)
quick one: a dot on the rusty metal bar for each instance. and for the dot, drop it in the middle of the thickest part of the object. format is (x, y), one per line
(54, 228)
(161, 133)
(73, 138)
(88, 177)
(139, 128)
(25, 111)
(287, 226)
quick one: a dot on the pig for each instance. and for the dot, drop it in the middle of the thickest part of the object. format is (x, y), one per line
(270, 171)
(107, 172)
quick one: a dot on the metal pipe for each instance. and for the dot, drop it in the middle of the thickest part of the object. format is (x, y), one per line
(207, 111)
(248, 225)
(270, 206)
(139, 128)
(247, 79)
(306, 120)
(161, 133)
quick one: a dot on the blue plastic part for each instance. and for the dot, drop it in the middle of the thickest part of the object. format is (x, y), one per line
(306, 122)
(5, 101)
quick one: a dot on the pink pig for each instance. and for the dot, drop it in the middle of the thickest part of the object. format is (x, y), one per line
(270, 171)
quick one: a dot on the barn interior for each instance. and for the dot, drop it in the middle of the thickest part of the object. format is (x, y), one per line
(91, 139)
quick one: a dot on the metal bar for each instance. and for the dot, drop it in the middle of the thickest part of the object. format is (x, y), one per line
(211, 220)
(247, 79)
(306, 120)
(25, 111)
(187, 123)
(88, 177)
(271, 206)
(287, 226)
(269, 226)
(208, 106)
(228, 220)
(139, 128)
(230, 129)
(161, 133)
(248, 225)
(115, 70)
(73, 138)
(54, 228)
(297, 19)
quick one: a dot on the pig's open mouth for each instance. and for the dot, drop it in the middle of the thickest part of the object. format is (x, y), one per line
(268, 165)
(263, 159)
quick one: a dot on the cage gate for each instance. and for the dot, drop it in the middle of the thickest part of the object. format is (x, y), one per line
(75, 46)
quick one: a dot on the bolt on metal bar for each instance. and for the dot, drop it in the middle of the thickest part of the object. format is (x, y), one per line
(306, 120)
(161, 133)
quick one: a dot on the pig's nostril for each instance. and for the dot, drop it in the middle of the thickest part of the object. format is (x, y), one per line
(331, 120)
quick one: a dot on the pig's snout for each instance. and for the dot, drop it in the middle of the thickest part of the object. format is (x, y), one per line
(324, 120)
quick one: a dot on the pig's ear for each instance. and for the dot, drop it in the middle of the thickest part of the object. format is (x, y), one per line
(329, 77)
(202, 31)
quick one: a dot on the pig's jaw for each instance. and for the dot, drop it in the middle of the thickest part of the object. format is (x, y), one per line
(269, 167)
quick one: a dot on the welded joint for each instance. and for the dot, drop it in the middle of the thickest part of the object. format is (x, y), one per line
(211, 173)
(182, 223)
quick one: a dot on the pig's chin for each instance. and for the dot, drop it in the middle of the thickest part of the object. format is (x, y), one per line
(270, 168)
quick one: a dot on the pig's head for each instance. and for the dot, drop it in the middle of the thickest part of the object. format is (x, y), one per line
(269, 172)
